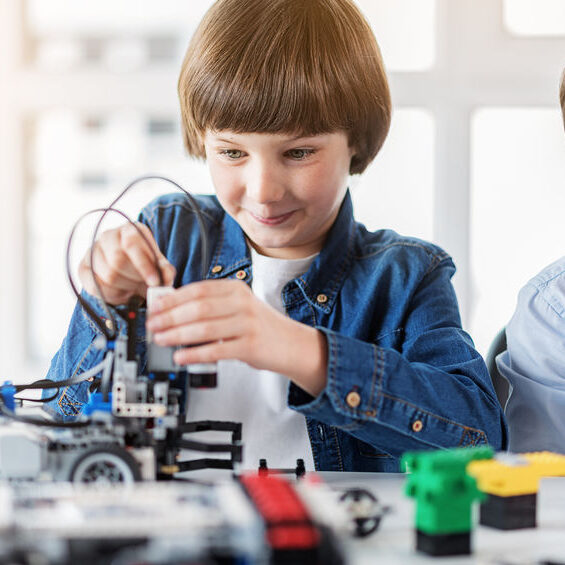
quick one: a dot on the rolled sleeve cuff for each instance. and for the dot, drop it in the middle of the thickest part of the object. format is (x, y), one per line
(355, 399)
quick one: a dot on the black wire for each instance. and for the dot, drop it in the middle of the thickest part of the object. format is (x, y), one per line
(39, 400)
(109, 334)
(39, 385)
(47, 384)
(193, 204)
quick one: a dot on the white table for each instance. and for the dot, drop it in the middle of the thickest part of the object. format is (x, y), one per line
(394, 542)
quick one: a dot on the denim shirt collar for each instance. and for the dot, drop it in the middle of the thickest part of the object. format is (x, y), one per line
(231, 253)
(323, 281)
(320, 284)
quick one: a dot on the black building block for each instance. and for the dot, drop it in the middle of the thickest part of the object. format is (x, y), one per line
(509, 512)
(443, 544)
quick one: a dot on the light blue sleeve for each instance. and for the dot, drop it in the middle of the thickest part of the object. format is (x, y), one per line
(534, 364)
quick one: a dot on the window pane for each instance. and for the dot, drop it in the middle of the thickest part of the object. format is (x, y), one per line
(381, 194)
(118, 35)
(93, 159)
(405, 30)
(69, 33)
(114, 17)
(535, 17)
(517, 208)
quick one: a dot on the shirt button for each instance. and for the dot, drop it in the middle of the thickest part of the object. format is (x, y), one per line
(217, 269)
(321, 299)
(240, 275)
(353, 399)
(417, 426)
(109, 324)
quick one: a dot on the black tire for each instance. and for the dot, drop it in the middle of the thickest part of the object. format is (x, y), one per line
(106, 463)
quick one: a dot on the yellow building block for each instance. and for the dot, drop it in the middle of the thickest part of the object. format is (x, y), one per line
(516, 474)
(549, 464)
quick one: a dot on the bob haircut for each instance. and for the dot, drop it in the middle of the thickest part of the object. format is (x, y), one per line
(300, 67)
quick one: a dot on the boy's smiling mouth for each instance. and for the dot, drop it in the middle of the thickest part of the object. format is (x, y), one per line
(272, 220)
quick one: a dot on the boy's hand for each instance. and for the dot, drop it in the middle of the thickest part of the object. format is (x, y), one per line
(124, 264)
(231, 323)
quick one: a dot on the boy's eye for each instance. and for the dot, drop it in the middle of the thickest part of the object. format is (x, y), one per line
(299, 154)
(233, 153)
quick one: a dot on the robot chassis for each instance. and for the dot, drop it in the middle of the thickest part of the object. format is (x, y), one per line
(131, 430)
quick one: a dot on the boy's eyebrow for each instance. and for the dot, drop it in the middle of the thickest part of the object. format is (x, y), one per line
(304, 137)
(224, 140)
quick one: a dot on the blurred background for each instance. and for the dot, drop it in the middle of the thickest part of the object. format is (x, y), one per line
(475, 160)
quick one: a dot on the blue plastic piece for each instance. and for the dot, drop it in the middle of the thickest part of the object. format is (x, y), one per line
(8, 390)
(172, 376)
(110, 344)
(97, 404)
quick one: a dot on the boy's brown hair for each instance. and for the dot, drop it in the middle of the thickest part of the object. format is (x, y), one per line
(562, 95)
(286, 66)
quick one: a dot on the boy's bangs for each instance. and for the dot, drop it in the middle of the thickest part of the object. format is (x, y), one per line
(283, 100)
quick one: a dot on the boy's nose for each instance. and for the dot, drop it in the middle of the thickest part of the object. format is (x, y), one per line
(264, 184)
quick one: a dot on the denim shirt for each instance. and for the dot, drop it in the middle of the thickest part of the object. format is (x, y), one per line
(402, 374)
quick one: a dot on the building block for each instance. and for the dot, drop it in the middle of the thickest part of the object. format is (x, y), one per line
(444, 495)
(511, 482)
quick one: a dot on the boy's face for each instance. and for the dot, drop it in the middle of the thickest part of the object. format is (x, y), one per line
(284, 191)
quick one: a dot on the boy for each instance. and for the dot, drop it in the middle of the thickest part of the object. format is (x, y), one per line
(535, 358)
(336, 345)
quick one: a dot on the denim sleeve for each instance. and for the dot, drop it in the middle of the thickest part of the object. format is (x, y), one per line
(533, 364)
(434, 393)
(77, 354)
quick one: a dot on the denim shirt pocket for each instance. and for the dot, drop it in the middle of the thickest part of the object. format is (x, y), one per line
(72, 399)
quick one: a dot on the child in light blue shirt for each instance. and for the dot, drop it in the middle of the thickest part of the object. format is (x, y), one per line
(534, 363)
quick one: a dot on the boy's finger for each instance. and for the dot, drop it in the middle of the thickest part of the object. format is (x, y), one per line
(113, 292)
(168, 271)
(144, 263)
(196, 291)
(191, 311)
(142, 251)
(116, 269)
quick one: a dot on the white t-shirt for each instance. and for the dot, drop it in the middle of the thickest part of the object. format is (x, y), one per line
(257, 398)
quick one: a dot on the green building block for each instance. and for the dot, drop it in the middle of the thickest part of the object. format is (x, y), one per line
(443, 491)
